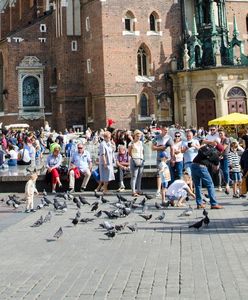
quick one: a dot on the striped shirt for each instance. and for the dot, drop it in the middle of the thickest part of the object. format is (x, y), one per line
(234, 161)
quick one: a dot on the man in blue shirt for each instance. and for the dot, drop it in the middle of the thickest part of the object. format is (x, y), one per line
(81, 165)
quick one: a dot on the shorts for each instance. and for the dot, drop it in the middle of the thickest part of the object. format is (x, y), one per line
(235, 176)
(164, 185)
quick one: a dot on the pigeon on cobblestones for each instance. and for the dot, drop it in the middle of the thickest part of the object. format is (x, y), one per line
(87, 220)
(98, 214)
(104, 200)
(97, 195)
(106, 225)
(39, 222)
(58, 233)
(133, 227)
(83, 200)
(148, 197)
(187, 212)
(161, 217)
(48, 217)
(197, 225)
(48, 202)
(146, 217)
(78, 214)
(75, 221)
(95, 206)
(206, 220)
(205, 212)
(110, 234)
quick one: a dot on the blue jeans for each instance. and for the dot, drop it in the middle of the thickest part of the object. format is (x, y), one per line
(187, 167)
(201, 175)
(224, 165)
(176, 171)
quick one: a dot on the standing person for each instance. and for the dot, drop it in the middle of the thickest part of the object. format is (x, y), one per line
(136, 153)
(122, 163)
(224, 165)
(53, 164)
(235, 169)
(177, 164)
(190, 149)
(165, 175)
(207, 156)
(81, 165)
(244, 167)
(30, 190)
(106, 160)
(160, 144)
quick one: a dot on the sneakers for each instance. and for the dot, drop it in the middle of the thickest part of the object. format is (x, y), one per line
(242, 196)
(71, 190)
(53, 192)
(33, 210)
(121, 189)
(158, 194)
(235, 195)
(217, 206)
(219, 189)
(27, 211)
(82, 189)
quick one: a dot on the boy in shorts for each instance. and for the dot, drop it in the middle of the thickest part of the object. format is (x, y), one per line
(164, 173)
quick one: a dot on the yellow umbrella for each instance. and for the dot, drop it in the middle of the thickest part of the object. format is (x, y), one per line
(231, 119)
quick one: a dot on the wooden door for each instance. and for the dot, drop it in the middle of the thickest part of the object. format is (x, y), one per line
(205, 107)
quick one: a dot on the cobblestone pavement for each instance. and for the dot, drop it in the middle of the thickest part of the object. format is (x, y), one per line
(162, 260)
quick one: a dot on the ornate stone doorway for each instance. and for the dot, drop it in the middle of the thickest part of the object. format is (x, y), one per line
(205, 107)
(236, 99)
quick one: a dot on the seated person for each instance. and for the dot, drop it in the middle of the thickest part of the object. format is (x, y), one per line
(81, 165)
(23, 156)
(53, 164)
(122, 162)
(12, 154)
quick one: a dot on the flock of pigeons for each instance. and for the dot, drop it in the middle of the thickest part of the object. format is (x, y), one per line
(121, 209)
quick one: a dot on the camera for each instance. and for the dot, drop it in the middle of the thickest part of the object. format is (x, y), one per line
(189, 144)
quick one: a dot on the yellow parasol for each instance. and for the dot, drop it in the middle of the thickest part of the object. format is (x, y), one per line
(231, 119)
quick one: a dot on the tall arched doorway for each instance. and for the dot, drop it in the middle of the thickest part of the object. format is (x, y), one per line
(205, 107)
(236, 100)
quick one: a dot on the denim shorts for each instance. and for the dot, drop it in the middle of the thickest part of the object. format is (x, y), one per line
(235, 176)
(164, 185)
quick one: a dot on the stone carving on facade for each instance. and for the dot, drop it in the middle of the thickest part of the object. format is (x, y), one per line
(30, 61)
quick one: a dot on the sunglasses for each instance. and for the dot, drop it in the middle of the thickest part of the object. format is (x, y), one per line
(213, 129)
(177, 135)
(80, 147)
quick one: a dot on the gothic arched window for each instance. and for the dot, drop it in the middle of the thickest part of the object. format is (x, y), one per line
(154, 24)
(143, 105)
(129, 22)
(142, 60)
(30, 92)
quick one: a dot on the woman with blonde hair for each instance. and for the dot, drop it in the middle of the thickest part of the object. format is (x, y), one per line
(136, 153)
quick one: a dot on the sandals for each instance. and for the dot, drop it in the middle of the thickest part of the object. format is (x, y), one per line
(135, 195)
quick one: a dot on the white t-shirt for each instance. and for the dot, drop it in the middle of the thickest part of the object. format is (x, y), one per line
(24, 156)
(178, 189)
(13, 154)
(213, 137)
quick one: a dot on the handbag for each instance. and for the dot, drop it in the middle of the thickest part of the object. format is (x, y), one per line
(96, 174)
(138, 162)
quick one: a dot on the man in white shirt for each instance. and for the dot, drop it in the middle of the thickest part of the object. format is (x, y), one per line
(81, 166)
(213, 137)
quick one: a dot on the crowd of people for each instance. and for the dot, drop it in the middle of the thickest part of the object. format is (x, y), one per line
(186, 159)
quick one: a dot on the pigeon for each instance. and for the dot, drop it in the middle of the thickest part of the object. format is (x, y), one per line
(143, 202)
(78, 214)
(121, 198)
(146, 217)
(97, 195)
(40, 206)
(106, 225)
(110, 234)
(158, 206)
(197, 225)
(95, 206)
(2, 200)
(70, 197)
(83, 200)
(9, 202)
(75, 200)
(48, 217)
(104, 200)
(44, 193)
(47, 200)
(206, 220)
(78, 204)
(133, 227)
(119, 205)
(161, 217)
(127, 211)
(15, 200)
(98, 214)
(187, 212)
(38, 223)
(135, 206)
(87, 220)
(148, 197)
(120, 226)
(75, 221)
(205, 213)
(15, 205)
(58, 233)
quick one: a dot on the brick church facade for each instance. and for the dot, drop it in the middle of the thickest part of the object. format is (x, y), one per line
(72, 62)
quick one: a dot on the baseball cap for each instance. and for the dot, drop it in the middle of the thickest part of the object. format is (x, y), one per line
(163, 154)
